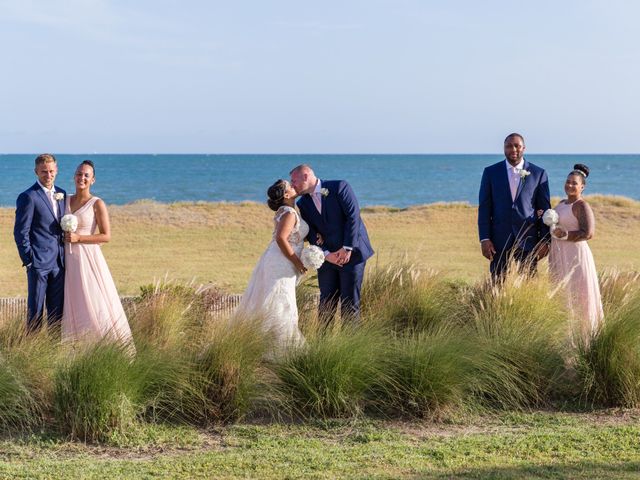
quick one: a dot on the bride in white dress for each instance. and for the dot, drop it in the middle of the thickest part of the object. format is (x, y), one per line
(271, 294)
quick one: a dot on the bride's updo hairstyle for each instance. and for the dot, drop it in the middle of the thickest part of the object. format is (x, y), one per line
(581, 171)
(275, 194)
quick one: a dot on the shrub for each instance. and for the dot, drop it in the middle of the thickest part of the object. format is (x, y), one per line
(333, 373)
(98, 392)
(520, 329)
(609, 366)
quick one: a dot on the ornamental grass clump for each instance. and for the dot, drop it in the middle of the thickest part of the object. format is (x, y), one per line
(226, 367)
(520, 331)
(167, 314)
(403, 297)
(98, 392)
(27, 362)
(609, 366)
(429, 373)
(333, 374)
(617, 288)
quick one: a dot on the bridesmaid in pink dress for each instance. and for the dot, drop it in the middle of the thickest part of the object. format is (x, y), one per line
(570, 258)
(92, 307)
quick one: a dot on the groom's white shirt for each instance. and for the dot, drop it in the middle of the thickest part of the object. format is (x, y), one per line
(514, 177)
(50, 193)
(316, 196)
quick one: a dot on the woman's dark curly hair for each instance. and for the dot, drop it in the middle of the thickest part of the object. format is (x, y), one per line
(275, 194)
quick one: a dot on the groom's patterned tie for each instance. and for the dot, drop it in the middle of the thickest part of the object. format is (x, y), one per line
(317, 201)
(514, 180)
(54, 205)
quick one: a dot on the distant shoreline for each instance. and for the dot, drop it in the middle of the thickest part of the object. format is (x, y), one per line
(597, 198)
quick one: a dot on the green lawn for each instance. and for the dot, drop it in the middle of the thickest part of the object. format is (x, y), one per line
(532, 445)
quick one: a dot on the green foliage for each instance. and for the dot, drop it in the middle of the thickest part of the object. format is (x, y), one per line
(98, 392)
(404, 297)
(609, 366)
(227, 365)
(429, 373)
(333, 373)
(520, 332)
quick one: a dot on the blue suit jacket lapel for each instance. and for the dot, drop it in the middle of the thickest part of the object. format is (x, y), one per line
(46, 201)
(61, 206)
(506, 184)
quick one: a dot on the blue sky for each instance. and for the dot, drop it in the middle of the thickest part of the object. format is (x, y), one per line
(345, 76)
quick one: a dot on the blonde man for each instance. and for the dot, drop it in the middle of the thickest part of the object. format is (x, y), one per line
(40, 243)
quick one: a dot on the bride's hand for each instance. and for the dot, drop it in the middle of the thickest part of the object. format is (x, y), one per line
(559, 232)
(299, 266)
(71, 237)
(319, 239)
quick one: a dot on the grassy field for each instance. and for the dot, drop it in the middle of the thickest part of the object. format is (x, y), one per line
(220, 243)
(506, 446)
(425, 388)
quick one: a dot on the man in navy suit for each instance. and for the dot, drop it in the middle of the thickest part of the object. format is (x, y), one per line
(331, 209)
(40, 243)
(511, 192)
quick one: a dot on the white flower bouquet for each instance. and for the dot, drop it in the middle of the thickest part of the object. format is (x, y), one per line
(312, 257)
(550, 218)
(69, 223)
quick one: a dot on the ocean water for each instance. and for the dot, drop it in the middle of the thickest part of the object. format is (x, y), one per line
(394, 180)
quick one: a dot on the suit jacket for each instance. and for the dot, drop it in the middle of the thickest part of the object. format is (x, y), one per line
(505, 221)
(339, 223)
(37, 232)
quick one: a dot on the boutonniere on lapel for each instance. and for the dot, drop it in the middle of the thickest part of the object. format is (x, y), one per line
(324, 192)
(523, 174)
(58, 196)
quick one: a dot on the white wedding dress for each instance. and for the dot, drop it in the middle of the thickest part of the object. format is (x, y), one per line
(271, 293)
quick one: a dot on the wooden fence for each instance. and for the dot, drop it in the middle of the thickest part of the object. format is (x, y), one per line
(14, 307)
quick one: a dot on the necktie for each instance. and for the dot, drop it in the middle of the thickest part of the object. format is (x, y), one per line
(317, 201)
(514, 183)
(54, 205)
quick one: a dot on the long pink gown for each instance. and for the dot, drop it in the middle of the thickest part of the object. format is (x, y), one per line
(92, 307)
(571, 264)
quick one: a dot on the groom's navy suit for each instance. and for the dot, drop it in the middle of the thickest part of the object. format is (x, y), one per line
(40, 243)
(340, 225)
(512, 225)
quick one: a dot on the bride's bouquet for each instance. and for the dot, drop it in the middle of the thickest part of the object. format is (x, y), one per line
(69, 223)
(550, 218)
(312, 257)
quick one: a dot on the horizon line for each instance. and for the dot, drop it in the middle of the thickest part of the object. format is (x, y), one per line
(316, 154)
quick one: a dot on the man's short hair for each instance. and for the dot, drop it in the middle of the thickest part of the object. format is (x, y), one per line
(514, 134)
(45, 158)
(300, 167)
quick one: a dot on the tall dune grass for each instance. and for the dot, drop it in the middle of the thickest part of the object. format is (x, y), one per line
(520, 331)
(425, 347)
(27, 363)
(402, 296)
(333, 373)
(609, 367)
(98, 392)
(428, 373)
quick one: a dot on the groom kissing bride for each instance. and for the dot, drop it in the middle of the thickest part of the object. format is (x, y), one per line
(331, 210)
